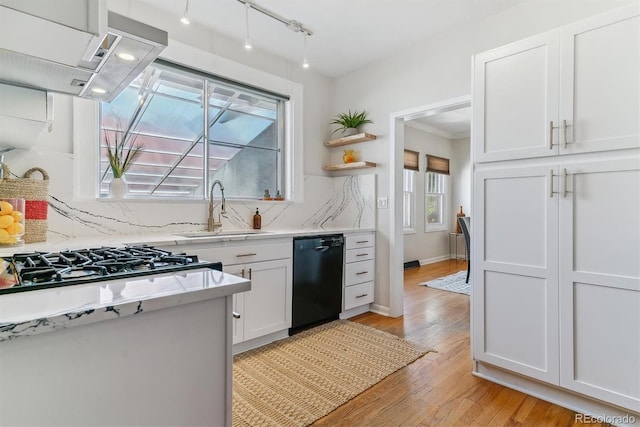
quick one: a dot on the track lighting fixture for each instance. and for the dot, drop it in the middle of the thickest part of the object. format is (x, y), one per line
(305, 61)
(247, 39)
(185, 15)
(294, 26)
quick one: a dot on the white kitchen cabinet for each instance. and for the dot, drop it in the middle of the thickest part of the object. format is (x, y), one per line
(515, 276)
(262, 314)
(556, 275)
(571, 90)
(600, 281)
(266, 308)
(359, 273)
(556, 230)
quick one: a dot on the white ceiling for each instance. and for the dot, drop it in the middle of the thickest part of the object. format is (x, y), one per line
(347, 34)
(452, 124)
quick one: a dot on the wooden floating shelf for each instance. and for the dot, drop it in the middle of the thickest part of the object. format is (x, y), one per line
(353, 139)
(349, 166)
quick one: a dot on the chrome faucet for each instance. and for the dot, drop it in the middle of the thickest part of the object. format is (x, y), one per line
(211, 222)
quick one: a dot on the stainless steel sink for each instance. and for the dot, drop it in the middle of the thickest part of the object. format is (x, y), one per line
(220, 233)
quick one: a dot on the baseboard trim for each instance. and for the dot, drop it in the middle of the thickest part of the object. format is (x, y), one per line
(241, 347)
(380, 309)
(558, 396)
(354, 311)
(434, 259)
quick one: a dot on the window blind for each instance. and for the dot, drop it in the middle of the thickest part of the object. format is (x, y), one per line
(437, 164)
(411, 160)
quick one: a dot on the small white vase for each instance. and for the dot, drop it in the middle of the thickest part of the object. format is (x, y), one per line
(349, 131)
(117, 188)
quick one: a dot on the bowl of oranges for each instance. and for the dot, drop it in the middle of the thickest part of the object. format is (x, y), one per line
(11, 222)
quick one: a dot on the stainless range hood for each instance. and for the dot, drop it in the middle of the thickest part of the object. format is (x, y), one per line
(42, 54)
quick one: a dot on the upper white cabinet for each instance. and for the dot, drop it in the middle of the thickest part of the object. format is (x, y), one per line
(566, 91)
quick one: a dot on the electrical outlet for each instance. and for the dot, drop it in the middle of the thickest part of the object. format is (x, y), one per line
(383, 202)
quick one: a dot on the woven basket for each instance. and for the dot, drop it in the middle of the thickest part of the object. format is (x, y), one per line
(35, 193)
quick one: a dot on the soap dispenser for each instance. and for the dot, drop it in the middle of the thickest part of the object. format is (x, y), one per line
(257, 220)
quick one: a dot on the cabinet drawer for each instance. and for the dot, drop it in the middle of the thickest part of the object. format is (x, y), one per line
(361, 240)
(231, 253)
(359, 272)
(362, 254)
(358, 295)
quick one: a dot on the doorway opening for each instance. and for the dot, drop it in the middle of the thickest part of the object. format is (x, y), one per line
(434, 124)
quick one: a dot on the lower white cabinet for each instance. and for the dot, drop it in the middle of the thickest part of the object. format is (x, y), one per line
(359, 272)
(266, 308)
(556, 274)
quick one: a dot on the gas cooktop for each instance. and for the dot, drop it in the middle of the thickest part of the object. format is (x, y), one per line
(40, 270)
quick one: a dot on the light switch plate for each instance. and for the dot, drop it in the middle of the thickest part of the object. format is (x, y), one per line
(383, 202)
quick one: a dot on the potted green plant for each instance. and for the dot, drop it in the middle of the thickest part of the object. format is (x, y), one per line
(350, 122)
(121, 155)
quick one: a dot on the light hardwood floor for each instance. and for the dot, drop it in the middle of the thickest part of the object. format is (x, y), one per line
(438, 389)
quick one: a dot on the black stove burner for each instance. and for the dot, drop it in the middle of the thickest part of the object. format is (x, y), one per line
(39, 270)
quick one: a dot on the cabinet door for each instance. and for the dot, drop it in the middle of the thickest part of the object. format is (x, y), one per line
(600, 82)
(515, 100)
(600, 281)
(237, 330)
(514, 261)
(267, 306)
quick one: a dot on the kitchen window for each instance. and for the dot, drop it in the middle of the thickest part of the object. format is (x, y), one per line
(165, 111)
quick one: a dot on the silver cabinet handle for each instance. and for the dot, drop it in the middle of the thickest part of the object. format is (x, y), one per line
(361, 296)
(242, 273)
(551, 192)
(362, 241)
(362, 272)
(565, 183)
(241, 255)
(235, 315)
(565, 125)
(362, 254)
(551, 128)
(249, 274)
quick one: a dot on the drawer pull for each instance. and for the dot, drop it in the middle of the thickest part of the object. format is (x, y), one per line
(362, 241)
(241, 255)
(361, 272)
(362, 254)
(235, 315)
(361, 296)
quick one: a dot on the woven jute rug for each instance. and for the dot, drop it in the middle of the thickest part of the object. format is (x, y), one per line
(295, 381)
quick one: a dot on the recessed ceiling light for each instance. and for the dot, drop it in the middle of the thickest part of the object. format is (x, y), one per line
(126, 56)
(98, 90)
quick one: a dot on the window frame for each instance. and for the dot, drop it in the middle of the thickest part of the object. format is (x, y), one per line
(161, 178)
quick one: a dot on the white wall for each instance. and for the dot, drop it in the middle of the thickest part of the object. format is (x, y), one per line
(432, 71)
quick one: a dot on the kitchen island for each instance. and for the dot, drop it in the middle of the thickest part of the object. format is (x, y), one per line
(151, 351)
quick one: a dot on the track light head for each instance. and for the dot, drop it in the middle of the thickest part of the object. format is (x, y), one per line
(185, 16)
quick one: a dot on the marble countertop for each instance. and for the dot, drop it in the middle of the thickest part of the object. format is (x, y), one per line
(35, 312)
(45, 310)
(168, 239)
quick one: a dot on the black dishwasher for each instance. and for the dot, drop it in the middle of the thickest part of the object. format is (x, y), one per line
(317, 280)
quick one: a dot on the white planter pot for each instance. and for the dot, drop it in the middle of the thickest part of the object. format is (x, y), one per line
(117, 188)
(350, 131)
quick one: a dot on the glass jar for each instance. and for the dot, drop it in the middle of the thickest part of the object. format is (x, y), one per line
(11, 222)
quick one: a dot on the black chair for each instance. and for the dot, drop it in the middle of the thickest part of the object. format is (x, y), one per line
(465, 225)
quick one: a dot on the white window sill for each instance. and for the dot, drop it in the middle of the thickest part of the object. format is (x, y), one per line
(435, 229)
(408, 231)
